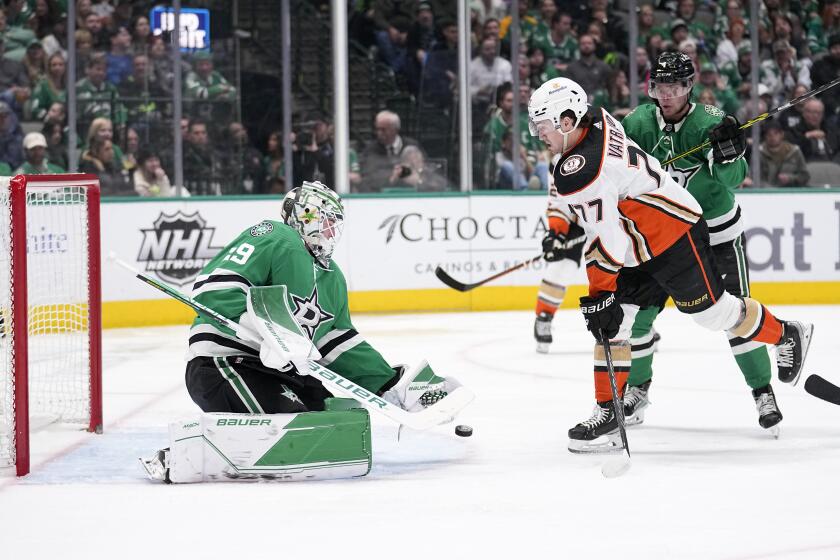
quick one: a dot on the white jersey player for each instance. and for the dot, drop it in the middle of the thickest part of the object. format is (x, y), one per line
(636, 216)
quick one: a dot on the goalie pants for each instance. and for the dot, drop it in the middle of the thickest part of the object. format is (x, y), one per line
(730, 261)
(243, 384)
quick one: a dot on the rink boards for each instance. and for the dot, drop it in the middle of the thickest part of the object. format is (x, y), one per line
(391, 246)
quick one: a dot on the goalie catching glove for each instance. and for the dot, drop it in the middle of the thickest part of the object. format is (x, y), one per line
(419, 388)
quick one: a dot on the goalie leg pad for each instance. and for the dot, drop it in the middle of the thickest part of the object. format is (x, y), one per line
(305, 446)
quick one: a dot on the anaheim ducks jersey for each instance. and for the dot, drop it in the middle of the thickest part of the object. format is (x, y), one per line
(631, 209)
(272, 253)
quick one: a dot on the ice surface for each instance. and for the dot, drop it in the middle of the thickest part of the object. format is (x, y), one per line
(707, 482)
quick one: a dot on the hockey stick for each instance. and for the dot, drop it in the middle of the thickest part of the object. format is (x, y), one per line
(617, 467)
(822, 389)
(438, 413)
(461, 287)
(761, 117)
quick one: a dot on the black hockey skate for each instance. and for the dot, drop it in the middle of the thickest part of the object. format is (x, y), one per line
(792, 350)
(769, 414)
(635, 402)
(542, 332)
(598, 434)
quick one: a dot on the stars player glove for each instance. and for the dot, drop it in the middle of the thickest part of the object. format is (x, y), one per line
(602, 313)
(554, 246)
(728, 140)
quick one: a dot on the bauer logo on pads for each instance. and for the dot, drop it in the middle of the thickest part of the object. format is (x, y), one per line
(177, 247)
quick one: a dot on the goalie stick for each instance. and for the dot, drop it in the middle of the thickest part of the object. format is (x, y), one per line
(761, 117)
(461, 287)
(822, 389)
(443, 411)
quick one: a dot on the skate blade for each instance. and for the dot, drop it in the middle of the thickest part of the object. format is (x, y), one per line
(775, 431)
(636, 418)
(542, 347)
(608, 443)
(807, 336)
(616, 467)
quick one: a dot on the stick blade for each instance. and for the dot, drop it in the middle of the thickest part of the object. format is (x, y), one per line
(449, 281)
(822, 389)
(616, 467)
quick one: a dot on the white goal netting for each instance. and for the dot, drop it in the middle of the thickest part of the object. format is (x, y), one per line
(58, 270)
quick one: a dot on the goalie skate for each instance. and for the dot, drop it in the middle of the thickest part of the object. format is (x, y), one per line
(598, 434)
(157, 467)
(792, 350)
(542, 332)
(635, 402)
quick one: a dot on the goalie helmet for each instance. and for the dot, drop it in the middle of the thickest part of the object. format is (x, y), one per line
(671, 76)
(552, 99)
(316, 212)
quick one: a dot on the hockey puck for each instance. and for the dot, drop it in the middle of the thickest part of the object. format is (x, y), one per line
(463, 430)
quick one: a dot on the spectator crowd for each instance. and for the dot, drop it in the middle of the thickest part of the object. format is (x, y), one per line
(126, 79)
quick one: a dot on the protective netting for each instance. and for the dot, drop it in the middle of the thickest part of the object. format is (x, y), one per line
(58, 312)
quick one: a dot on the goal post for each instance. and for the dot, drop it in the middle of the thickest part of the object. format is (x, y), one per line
(50, 308)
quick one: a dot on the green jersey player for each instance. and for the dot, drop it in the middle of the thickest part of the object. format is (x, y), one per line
(669, 127)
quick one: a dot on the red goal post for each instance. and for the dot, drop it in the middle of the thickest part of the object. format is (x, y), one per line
(50, 308)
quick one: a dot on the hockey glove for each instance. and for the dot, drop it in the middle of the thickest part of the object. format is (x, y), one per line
(602, 314)
(728, 140)
(419, 388)
(554, 246)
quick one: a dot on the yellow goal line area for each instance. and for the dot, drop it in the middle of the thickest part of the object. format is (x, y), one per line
(143, 313)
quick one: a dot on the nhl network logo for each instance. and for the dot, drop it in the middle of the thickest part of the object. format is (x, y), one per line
(177, 247)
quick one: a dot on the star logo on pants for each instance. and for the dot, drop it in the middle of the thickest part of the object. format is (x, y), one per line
(291, 395)
(308, 312)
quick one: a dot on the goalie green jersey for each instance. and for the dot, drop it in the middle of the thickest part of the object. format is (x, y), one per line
(712, 184)
(268, 254)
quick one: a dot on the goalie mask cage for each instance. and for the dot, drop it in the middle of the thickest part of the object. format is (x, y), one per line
(50, 308)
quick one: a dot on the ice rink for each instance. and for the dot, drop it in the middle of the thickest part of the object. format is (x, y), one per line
(707, 482)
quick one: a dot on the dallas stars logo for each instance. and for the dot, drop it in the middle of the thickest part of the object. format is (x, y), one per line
(308, 313)
(291, 395)
(682, 176)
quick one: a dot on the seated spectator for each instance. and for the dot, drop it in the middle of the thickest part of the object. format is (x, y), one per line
(56, 144)
(56, 114)
(98, 160)
(540, 71)
(35, 151)
(547, 9)
(119, 55)
(727, 50)
(559, 46)
(202, 171)
(273, 168)
(705, 97)
(103, 129)
(816, 141)
(11, 137)
(244, 160)
(34, 61)
(412, 171)
(487, 72)
(83, 9)
(647, 24)
(783, 72)
(782, 163)
(84, 50)
(381, 156)
(14, 38)
(46, 14)
(532, 174)
(616, 98)
(687, 12)
(132, 149)
(14, 82)
(421, 36)
(441, 70)
(150, 179)
(142, 95)
(121, 16)
(19, 13)
(208, 88)
(391, 43)
(52, 88)
(826, 70)
(93, 24)
(56, 40)
(589, 71)
(96, 97)
(141, 34)
(737, 76)
(792, 117)
(711, 81)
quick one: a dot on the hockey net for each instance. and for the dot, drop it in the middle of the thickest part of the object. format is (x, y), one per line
(50, 327)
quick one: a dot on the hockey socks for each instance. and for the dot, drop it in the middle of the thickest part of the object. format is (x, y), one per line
(757, 323)
(621, 364)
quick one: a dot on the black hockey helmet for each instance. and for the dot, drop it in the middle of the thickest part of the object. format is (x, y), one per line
(672, 68)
